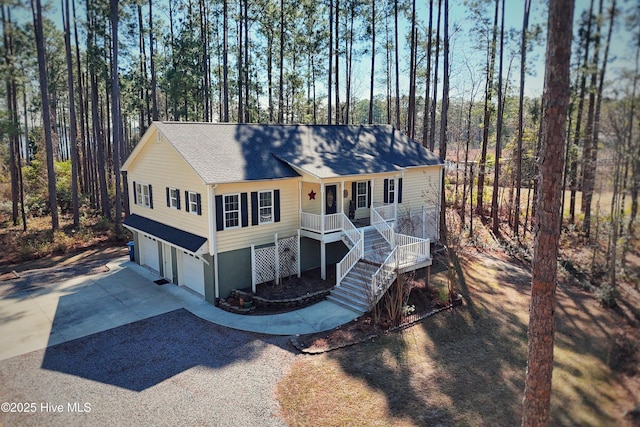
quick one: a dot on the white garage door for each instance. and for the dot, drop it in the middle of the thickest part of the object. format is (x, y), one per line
(149, 253)
(192, 273)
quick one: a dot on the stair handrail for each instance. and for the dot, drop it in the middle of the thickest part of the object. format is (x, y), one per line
(382, 279)
(383, 227)
(355, 254)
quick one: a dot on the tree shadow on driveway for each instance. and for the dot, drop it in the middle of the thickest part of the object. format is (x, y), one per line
(142, 354)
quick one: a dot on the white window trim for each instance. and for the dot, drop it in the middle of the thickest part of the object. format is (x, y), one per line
(365, 194)
(260, 207)
(140, 196)
(173, 201)
(193, 206)
(225, 211)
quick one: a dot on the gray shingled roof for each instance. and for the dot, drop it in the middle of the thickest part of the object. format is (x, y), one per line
(223, 152)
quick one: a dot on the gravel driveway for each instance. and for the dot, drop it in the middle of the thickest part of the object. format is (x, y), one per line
(171, 369)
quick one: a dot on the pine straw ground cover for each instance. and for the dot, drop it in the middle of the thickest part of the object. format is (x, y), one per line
(40, 247)
(466, 366)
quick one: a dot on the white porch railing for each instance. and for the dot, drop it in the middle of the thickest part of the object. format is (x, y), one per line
(386, 211)
(356, 237)
(322, 223)
(406, 251)
(412, 250)
(383, 277)
(382, 226)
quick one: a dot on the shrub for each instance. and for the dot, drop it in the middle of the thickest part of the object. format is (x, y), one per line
(607, 295)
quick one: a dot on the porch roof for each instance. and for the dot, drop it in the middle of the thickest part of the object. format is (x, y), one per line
(188, 241)
(331, 165)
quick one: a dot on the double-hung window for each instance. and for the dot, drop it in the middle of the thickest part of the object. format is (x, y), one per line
(361, 194)
(174, 198)
(231, 211)
(265, 207)
(143, 195)
(193, 202)
(391, 190)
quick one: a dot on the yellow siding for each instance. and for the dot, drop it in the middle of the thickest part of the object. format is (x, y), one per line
(159, 165)
(243, 237)
(311, 206)
(420, 187)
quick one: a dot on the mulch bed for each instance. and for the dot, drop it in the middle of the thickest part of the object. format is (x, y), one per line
(289, 288)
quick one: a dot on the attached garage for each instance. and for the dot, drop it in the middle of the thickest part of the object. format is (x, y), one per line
(179, 258)
(191, 272)
(149, 252)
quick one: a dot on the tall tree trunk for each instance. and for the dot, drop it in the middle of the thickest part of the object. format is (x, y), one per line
(523, 62)
(427, 86)
(537, 392)
(596, 125)
(349, 63)
(487, 111)
(247, 85)
(338, 108)
(72, 115)
(588, 169)
(329, 84)
(116, 116)
(635, 152)
(411, 113)
(225, 65)
(281, 107)
(12, 109)
(36, 8)
(573, 171)
(444, 122)
(434, 100)
(154, 95)
(373, 59)
(496, 174)
(240, 64)
(84, 161)
(397, 62)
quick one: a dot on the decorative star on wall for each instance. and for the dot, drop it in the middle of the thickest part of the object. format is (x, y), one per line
(312, 195)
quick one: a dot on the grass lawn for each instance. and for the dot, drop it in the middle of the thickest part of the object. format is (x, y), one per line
(467, 366)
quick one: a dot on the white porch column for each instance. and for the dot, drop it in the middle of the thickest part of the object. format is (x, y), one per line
(323, 260)
(396, 188)
(322, 208)
(342, 197)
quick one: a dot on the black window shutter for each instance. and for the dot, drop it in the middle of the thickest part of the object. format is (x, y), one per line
(150, 197)
(178, 197)
(135, 194)
(276, 205)
(400, 190)
(199, 201)
(354, 196)
(254, 208)
(244, 211)
(386, 190)
(186, 201)
(219, 213)
(369, 194)
(168, 199)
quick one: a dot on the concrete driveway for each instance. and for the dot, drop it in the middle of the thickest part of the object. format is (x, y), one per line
(49, 307)
(112, 348)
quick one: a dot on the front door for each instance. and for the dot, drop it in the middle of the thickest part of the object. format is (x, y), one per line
(331, 199)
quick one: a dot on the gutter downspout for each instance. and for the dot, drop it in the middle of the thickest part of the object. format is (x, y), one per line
(213, 240)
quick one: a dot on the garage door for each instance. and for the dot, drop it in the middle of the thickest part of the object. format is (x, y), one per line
(149, 253)
(192, 273)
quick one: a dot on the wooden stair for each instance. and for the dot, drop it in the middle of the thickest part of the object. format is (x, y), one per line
(355, 289)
